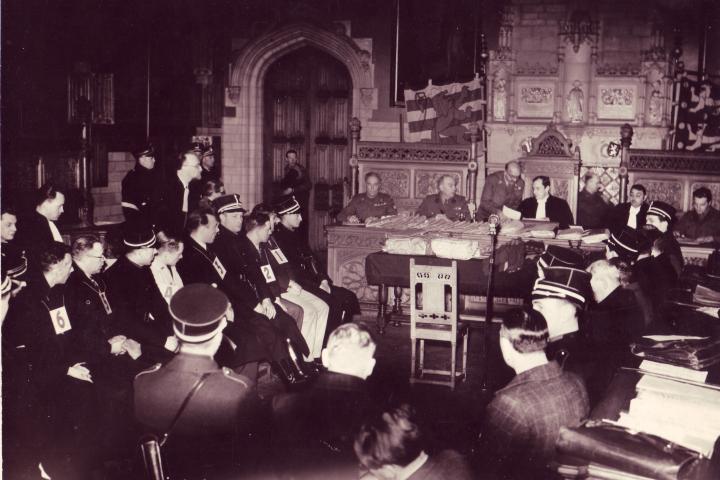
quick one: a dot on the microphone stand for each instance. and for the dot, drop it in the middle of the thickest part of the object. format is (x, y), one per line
(493, 230)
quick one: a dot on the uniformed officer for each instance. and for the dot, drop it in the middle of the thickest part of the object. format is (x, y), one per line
(446, 203)
(370, 205)
(139, 187)
(214, 395)
(14, 259)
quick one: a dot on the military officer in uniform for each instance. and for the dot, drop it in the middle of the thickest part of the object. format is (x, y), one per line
(200, 314)
(370, 205)
(139, 187)
(446, 203)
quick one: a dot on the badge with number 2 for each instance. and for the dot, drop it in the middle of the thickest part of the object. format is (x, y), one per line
(268, 273)
(60, 320)
(279, 256)
(219, 268)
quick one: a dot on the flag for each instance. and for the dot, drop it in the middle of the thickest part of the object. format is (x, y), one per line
(698, 126)
(442, 113)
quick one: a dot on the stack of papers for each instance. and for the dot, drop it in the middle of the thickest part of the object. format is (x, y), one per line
(595, 235)
(575, 232)
(682, 412)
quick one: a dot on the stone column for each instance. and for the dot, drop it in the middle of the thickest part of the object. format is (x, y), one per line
(354, 139)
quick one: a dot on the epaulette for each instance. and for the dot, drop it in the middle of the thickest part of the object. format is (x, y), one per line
(152, 369)
(227, 373)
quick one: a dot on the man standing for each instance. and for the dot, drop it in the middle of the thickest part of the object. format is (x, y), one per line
(524, 419)
(296, 182)
(446, 203)
(702, 223)
(38, 230)
(307, 270)
(178, 198)
(502, 189)
(543, 206)
(630, 213)
(139, 188)
(370, 205)
(593, 210)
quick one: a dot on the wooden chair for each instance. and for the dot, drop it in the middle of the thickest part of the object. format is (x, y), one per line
(434, 316)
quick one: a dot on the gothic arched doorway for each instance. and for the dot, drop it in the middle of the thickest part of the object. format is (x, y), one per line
(307, 107)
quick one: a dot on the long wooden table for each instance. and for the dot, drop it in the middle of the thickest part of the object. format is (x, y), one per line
(349, 245)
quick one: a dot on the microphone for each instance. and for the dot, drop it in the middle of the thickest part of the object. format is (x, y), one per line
(493, 223)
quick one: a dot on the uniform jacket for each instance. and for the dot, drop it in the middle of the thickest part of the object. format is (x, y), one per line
(14, 254)
(254, 260)
(619, 216)
(34, 235)
(692, 226)
(306, 269)
(556, 209)
(297, 178)
(455, 208)
(140, 195)
(523, 420)
(497, 193)
(592, 210)
(170, 216)
(214, 408)
(365, 207)
(227, 246)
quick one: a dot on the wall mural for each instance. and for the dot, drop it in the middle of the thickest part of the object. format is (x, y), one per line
(698, 127)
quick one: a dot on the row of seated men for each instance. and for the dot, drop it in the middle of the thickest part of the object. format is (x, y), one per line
(80, 394)
(505, 189)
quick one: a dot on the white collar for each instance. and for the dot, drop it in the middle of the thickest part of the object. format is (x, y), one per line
(186, 185)
(412, 467)
(634, 209)
(543, 200)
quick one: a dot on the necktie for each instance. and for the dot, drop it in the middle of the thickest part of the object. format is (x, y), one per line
(186, 193)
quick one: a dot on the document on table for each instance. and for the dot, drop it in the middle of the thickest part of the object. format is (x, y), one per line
(511, 213)
(674, 371)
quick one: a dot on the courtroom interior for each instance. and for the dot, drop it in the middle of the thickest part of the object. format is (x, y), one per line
(360, 239)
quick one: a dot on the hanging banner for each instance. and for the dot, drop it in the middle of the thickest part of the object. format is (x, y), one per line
(698, 126)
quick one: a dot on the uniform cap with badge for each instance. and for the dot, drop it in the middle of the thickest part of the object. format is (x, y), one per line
(287, 206)
(663, 210)
(199, 312)
(565, 283)
(144, 151)
(137, 235)
(228, 204)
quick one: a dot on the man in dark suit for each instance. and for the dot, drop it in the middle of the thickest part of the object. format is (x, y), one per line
(320, 423)
(38, 230)
(391, 445)
(630, 213)
(140, 189)
(592, 208)
(543, 206)
(524, 418)
(661, 216)
(178, 199)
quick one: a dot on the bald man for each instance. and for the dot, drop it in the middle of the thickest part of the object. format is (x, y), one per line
(503, 188)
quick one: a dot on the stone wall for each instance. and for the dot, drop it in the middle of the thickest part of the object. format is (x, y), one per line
(107, 199)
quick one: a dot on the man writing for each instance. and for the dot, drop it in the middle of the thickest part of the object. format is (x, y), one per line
(702, 223)
(502, 189)
(370, 205)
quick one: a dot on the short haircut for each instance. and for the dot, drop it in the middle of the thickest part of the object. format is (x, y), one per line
(213, 186)
(544, 179)
(703, 192)
(350, 338)
(604, 269)
(639, 188)
(182, 158)
(290, 151)
(526, 329)
(255, 220)
(443, 177)
(372, 174)
(392, 437)
(168, 242)
(263, 208)
(83, 244)
(199, 217)
(6, 208)
(53, 254)
(511, 163)
(624, 270)
(589, 176)
(46, 192)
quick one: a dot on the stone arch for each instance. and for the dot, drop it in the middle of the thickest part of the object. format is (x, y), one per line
(242, 146)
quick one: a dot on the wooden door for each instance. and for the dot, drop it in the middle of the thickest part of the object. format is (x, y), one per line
(308, 97)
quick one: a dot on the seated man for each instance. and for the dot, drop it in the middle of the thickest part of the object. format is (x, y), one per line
(543, 206)
(523, 420)
(661, 216)
(502, 189)
(326, 417)
(702, 223)
(446, 203)
(630, 213)
(560, 294)
(391, 445)
(370, 205)
(623, 244)
(614, 321)
(592, 208)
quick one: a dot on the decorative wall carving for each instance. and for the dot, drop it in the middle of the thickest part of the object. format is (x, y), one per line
(352, 275)
(653, 160)
(395, 182)
(361, 241)
(668, 191)
(426, 182)
(535, 99)
(617, 101)
(392, 151)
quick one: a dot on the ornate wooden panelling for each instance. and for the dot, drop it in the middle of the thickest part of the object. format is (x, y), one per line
(676, 162)
(413, 152)
(669, 191)
(714, 189)
(426, 182)
(395, 182)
